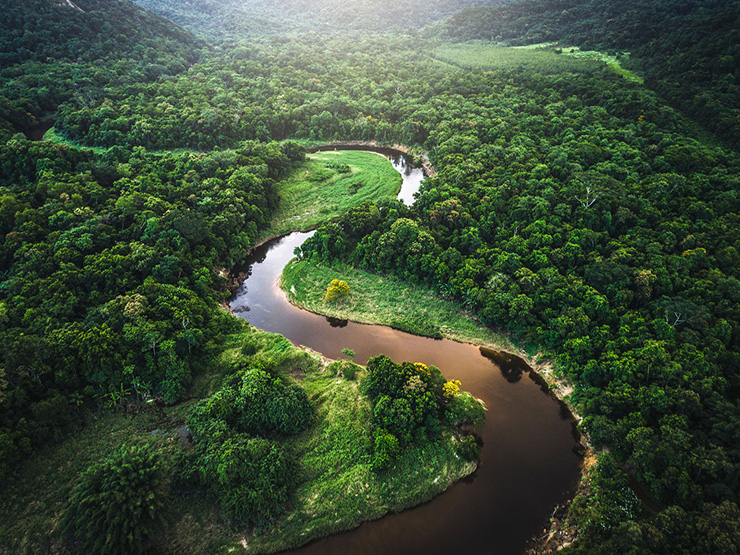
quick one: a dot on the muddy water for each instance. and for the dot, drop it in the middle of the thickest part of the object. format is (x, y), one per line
(529, 461)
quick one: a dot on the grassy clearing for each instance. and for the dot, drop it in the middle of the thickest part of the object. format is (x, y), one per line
(340, 490)
(612, 62)
(337, 489)
(547, 57)
(375, 299)
(486, 56)
(329, 184)
(54, 137)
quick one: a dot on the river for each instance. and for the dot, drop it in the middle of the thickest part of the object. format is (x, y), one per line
(529, 463)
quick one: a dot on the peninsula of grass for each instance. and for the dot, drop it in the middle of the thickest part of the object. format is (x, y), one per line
(375, 299)
(329, 184)
(337, 489)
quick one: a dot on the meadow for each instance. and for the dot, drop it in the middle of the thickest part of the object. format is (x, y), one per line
(329, 184)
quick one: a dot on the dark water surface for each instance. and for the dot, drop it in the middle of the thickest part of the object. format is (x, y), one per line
(529, 461)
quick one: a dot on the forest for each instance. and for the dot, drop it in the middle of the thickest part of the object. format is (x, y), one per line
(590, 217)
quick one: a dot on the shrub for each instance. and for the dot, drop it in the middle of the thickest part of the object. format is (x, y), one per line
(468, 448)
(417, 327)
(386, 449)
(118, 503)
(349, 370)
(252, 476)
(256, 403)
(464, 409)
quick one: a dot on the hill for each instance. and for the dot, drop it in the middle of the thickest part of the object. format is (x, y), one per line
(688, 50)
(236, 17)
(52, 50)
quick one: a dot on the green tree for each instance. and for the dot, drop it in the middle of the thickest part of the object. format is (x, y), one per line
(119, 502)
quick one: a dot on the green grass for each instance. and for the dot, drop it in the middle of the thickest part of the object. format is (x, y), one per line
(547, 57)
(316, 193)
(54, 137)
(482, 55)
(337, 489)
(375, 299)
(612, 62)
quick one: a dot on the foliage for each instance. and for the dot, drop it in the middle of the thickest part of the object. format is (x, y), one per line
(572, 208)
(109, 290)
(468, 448)
(385, 450)
(338, 289)
(254, 402)
(252, 476)
(601, 235)
(613, 501)
(409, 405)
(226, 18)
(119, 502)
(464, 410)
(50, 53)
(688, 51)
(451, 389)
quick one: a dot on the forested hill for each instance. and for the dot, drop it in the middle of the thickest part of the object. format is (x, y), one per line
(237, 17)
(86, 30)
(689, 50)
(51, 51)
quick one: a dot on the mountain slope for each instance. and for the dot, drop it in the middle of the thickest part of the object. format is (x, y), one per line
(689, 50)
(52, 50)
(236, 17)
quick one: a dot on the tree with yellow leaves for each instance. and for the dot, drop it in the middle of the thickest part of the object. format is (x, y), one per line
(337, 290)
(451, 389)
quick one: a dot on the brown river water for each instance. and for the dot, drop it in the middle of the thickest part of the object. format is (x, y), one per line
(530, 460)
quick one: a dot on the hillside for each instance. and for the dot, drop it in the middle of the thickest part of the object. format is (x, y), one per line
(688, 50)
(236, 17)
(51, 51)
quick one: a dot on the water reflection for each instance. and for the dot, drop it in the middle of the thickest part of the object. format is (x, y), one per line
(511, 367)
(337, 322)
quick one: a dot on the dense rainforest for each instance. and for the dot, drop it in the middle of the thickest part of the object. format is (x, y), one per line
(592, 217)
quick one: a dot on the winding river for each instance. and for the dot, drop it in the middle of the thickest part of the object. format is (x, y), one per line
(530, 461)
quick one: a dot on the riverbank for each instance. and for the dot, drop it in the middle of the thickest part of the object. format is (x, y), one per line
(338, 490)
(420, 157)
(388, 301)
(416, 309)
(329, 184)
